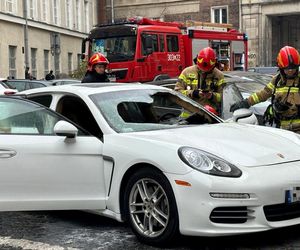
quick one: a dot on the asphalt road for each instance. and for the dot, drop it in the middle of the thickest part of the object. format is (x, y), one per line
(79, 230)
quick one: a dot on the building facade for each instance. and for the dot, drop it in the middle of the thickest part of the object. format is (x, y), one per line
(51, 40)
(218, 11)
(270, 25)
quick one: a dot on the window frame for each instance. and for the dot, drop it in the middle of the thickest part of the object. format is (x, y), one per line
(12, 59)
(33, 54)
(219, 8)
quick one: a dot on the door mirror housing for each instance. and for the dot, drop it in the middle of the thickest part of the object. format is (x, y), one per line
(244, 116)
(64, 128)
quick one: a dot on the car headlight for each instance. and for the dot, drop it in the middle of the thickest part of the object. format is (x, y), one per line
(207, 163)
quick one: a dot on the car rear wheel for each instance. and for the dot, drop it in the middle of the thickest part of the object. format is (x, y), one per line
(151, 207)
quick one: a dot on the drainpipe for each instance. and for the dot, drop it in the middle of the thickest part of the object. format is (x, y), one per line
(112, 11)
(240, 16)
(25, 34)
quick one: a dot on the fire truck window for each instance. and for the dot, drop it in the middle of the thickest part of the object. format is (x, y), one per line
(154, 43)
(172, 43)
(161, 43)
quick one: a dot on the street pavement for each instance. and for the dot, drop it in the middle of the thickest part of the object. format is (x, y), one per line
(73, 230)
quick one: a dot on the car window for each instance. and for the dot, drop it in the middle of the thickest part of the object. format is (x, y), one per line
(142, 110)
(35, 85)
(19, 117)
(44, 100)
(172, 43)
(20, 86)
(75, 109)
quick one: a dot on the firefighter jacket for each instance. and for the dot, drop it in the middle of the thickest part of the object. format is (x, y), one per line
(93, 76)
(191, 78)
(286, 97)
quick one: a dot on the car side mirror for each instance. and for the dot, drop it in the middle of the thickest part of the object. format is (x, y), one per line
(244, 116)
(64, 128)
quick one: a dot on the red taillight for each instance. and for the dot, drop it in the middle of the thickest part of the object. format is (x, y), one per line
(9, 92)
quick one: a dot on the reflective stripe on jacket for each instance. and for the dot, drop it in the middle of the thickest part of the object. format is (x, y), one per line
(287, 92)
(214, 82)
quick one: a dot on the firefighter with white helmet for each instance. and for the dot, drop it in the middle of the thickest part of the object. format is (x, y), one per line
(96, 69)
(203, 82)
(284, 90)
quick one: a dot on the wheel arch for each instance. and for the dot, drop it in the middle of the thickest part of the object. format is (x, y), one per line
(134, 168)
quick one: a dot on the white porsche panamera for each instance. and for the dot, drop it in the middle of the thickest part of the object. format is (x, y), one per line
(149, 156)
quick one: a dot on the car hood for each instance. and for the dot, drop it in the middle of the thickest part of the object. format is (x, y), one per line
(240, 144)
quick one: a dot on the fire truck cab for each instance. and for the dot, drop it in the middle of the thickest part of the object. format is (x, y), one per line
(142, 49)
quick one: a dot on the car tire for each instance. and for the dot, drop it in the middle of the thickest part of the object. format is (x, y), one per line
(150, 207)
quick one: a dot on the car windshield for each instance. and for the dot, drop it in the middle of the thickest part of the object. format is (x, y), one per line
(142, 110)
(116, 49)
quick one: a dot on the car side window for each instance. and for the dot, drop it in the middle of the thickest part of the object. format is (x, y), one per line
(20, 86)
(20, 117)
(154, 38)
(44, 100)
(75, 109)
(172, 43)
(35, 85)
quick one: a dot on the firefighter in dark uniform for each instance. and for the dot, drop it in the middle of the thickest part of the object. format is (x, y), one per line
(284, 110)
(96, 69)
(203, 82)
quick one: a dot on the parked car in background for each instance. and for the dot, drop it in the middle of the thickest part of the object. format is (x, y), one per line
(132, 156)
(6, 89)
(25, 84)
(57, 82)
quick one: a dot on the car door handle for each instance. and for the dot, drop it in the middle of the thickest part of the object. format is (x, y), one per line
(7, 153)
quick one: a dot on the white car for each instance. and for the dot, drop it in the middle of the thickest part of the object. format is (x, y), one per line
(131, 152)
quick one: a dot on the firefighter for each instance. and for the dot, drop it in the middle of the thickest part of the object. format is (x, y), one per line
(96, 69)
(203, 82)
(284, 110)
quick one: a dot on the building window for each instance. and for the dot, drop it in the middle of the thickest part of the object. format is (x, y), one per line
(70, 63)
(219, 14)
(69, 14)
(78, 60)
(45, 10)
(33, 62)
(12, 61)
(46, 62)
(86, 13)
(56, 13)
(9, 6)
(77, 15)
(32, 8)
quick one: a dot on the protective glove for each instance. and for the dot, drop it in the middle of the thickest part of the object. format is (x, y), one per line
(197, 93)
(206, 94)
(239, 105)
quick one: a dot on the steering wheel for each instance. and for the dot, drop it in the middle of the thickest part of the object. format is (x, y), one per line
(167, 116)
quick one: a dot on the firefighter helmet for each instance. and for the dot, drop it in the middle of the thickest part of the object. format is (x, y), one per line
(288, 58)
(206, 59)
(97, 58)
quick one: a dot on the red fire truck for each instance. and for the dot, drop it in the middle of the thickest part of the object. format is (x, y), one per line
(143, 49)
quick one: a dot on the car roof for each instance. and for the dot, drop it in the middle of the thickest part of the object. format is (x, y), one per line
(28, 80)
(91, 88)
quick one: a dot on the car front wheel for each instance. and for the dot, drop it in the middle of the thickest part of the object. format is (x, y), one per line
(151, 207)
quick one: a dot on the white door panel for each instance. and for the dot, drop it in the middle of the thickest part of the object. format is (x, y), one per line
(51, 172)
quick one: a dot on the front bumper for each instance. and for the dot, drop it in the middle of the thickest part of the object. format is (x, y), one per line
(266, 187)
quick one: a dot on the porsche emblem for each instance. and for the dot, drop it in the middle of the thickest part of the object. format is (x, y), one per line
(280, 155)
